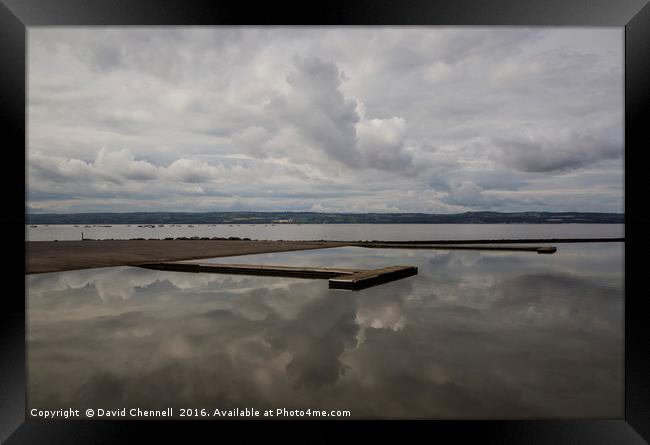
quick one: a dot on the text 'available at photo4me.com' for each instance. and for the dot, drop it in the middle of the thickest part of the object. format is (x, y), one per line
(199, 413)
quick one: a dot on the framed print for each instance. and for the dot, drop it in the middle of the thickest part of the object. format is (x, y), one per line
(466, 178)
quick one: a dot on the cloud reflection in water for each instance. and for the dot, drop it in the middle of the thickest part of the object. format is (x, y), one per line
(473, 335)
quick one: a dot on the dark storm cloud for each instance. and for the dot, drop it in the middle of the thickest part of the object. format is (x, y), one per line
(567, 152)
(411, 118)
(102, 56)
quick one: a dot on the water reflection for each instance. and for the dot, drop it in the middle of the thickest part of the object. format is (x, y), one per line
(474, 335)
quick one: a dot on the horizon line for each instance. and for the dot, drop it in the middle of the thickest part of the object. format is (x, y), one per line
(324, 213)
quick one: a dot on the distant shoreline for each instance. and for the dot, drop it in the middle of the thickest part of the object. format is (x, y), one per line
(316, 223)
(278, 218)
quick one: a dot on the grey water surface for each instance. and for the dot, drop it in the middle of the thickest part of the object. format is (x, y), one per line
(475, 334)
(343, 232)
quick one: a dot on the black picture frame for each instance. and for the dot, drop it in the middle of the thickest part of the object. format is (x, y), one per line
(634, 15)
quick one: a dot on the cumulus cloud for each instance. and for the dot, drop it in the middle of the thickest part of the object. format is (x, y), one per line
(470, 195)
(337, 125)
(382, 142)
(112, 166)
(115, 172)
(318, 109)
(123, 163)
(188, 170)
(57, 169)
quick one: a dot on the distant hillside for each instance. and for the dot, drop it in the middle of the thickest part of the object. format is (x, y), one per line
(324, 218)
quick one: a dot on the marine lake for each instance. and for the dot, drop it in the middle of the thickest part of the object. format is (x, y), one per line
(475, 334)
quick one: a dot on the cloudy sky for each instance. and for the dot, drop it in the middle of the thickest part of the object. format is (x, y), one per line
(406, 119)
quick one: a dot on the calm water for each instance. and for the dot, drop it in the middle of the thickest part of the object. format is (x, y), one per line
(473, 335)
(344, 232)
